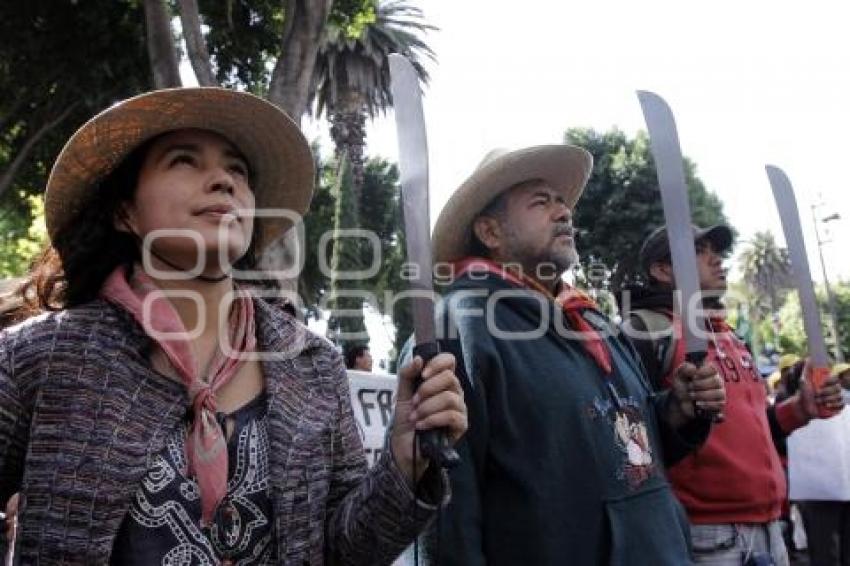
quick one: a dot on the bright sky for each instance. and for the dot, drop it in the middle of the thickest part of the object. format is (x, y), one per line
(750, 83)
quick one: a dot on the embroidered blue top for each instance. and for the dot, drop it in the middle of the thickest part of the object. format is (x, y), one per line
(163, 522)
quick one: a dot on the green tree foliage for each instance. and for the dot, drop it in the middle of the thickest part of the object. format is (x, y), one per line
(381, 211)
(766, 281)
(351, 80)
(313, 281)
(621, 204)
(352, 16)
(792, 337)
(295, 51)
(349, 255)
(243, 40)
(841, 291)
(767, 272)
(243, 37)
(377, 211)
(22, 235)
(60, 63)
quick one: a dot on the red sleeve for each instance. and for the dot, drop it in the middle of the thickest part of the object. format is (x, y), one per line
(790, 415)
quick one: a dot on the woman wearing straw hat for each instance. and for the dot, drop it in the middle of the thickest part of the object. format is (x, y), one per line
(162, 412)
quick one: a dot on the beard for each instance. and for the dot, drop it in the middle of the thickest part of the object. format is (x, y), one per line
(546, 263)
(557, 261)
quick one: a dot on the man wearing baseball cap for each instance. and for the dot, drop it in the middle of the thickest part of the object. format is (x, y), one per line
(733, 487)
(563, 461)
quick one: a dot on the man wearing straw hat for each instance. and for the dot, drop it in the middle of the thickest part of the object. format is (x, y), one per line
(778, 380)
(785, 387)
(563, 460)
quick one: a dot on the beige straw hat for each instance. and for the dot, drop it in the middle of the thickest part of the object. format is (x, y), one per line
(838, 369)
(565, 168)
(277, 152)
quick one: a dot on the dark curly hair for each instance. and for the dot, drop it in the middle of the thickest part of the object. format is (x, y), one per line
(72, 268)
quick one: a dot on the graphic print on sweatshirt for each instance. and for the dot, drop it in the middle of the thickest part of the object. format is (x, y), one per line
(630, 437)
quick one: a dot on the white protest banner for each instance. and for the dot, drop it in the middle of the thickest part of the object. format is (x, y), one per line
(372, 398)
(819, 460)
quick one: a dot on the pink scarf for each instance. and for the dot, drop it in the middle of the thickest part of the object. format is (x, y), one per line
(206, 446)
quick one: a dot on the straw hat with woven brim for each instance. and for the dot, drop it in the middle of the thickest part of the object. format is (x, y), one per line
(838, 369)
(565, 168)
(788, 360)
(773, 379)
(278, 154)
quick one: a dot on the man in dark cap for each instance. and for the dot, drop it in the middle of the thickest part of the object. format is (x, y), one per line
(733, 487)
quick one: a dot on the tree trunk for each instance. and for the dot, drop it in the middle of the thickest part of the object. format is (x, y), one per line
(7, 176)
(196, 46)
(348, 131)
(290, 83)
(289, 89)
(161, 51)
(345, 328)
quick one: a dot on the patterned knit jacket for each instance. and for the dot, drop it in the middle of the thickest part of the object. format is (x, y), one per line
(83, 415)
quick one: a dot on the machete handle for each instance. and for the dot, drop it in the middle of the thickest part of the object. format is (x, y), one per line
(434, 443)
(698, 358)
(818, 377)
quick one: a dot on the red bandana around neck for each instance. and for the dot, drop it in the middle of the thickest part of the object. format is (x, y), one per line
(206, 446)
(572, 301)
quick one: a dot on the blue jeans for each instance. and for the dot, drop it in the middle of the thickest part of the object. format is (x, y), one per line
(735, 544)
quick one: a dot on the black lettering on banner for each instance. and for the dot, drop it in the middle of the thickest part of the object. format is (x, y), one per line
(373, 455)
(385, 402)
(365, 405)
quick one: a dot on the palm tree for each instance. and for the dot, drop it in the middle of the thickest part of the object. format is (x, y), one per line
(351, 81)
(767, 271)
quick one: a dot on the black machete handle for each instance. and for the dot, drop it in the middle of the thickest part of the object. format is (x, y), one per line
(434, 443)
